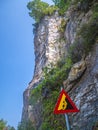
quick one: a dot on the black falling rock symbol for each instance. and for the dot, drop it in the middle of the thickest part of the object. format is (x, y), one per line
(69, 106)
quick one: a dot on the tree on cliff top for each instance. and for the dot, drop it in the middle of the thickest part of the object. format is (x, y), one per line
(60, 3)
(38, 9)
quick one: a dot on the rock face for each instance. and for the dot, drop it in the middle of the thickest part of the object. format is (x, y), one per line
(47, 42)
(77, 70)
(82, 82)
(48, 50)
(75, 73)
(84, 93)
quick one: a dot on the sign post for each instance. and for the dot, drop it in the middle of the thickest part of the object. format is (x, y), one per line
(67, 122)
(66, 118)
(65, 105)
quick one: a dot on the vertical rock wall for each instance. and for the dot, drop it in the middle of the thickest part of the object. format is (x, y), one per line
(85, 95)
(84, 92)
(48, 50)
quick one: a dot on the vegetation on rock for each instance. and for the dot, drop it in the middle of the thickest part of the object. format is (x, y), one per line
(38, 9)
(49, 90)
(89, 33)
(49, 87)
(62, 5)
(86, 37)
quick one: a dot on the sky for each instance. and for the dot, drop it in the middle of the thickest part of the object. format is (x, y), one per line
(16, 57)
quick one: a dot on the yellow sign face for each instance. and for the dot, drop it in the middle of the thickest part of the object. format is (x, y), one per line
(63, 103)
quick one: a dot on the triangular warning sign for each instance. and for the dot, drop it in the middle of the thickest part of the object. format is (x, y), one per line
(65, 104)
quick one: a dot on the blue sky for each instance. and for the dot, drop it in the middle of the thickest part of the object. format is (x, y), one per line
(16, 57)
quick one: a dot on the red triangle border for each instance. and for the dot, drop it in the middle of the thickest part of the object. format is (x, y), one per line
(56, 111)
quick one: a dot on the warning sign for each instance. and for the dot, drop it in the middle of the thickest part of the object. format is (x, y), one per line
(65, 104)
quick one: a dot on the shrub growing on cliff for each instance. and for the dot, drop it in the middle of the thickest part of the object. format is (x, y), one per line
(47, 92)
(55, 76)
(86, 37)
(50, 120)
(62, 26)
(89, 32)
(95, 12)
(76, 50)
(62, 5)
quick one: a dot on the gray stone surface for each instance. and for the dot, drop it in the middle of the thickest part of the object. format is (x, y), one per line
(49, 49)
(85, 96)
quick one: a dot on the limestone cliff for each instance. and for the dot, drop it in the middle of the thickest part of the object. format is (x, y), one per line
(52, 42)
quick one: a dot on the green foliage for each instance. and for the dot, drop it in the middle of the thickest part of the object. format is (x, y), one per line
(86, 36)
(62, 26)
(55, 76)
(53, 79)
(2, 124)
(95, 12)
(83, 2)
(76, 50)
(50, 120)
(50, 10)
(10, 128)
(95, 125)
(34, 95)
(62, 5)
(25, 125)
(83, 5)
(89, 32)
(56, 2)
(59, 3)
(39, 9)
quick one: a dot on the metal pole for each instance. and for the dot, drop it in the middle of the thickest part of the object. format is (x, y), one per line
(66, 118)
(67, 121)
